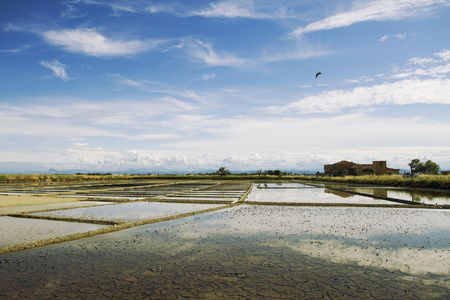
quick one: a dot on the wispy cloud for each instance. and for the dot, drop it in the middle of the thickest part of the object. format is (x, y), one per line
(230, 9)
(420, 67)
(205, 53)
(208, 76)
(72, 12)
(248, 9)
(374, 10)
(16, 50)
(399, 36)
(361, 79)
(90, 42)
(58, 68)
(215, 9)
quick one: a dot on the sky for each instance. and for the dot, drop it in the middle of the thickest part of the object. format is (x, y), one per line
(196, 85)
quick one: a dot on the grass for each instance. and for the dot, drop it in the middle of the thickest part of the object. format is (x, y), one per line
(422, 181)
(11, 178)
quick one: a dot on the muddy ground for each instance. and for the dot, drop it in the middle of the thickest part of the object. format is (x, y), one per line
(230, 250)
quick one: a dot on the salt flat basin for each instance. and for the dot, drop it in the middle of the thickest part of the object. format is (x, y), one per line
(413, 195)
(198, 198)
(102, 197)
(249, 251)
(49, 206)
(216, 194)
(129, 212)
(310, 195)
(283, 185)
(21, 230)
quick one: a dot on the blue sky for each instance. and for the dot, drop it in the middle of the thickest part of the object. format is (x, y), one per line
(194, 85)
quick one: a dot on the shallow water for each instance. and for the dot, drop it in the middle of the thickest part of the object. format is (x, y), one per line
(413, 195)
(199, 198)
(21, 230)
(243, 252)
(264, 252)
(309, 195)
(282, 185)
(128, 212)
(50, 206)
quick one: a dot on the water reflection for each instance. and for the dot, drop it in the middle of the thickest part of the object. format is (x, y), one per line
(299, 193)
(20, 230)
(248, 252)
(414, 195)
(128, 212)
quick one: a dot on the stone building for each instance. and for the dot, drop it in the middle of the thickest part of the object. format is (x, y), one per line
(350, 168)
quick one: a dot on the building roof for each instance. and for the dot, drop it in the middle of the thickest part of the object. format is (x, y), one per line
(344, 162)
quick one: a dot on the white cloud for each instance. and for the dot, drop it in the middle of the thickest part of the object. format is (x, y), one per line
(444, 55)
(374, 10)
(171, 138)
(90, 42)
(427, 84)
(421, 60)
(58, 68)
(429, 67)
(432, 91)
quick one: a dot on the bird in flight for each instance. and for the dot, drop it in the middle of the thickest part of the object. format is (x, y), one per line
(318, 73)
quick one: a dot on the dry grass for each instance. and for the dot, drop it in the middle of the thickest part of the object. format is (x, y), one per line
(11, 178)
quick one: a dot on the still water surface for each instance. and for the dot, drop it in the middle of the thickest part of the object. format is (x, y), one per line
(413, 195)
(251, 252)
(128, 212)
(307, 194)
(245, 252)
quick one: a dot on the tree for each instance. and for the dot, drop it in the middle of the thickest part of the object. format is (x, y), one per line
(429, 167)
(223, 172)
(415, 166)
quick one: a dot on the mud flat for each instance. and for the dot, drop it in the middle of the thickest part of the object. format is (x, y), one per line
(344, 249)
(256, 252)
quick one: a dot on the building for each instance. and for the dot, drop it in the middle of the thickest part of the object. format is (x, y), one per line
(350, 168)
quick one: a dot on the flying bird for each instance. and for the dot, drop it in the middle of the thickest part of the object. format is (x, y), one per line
(318, 73)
